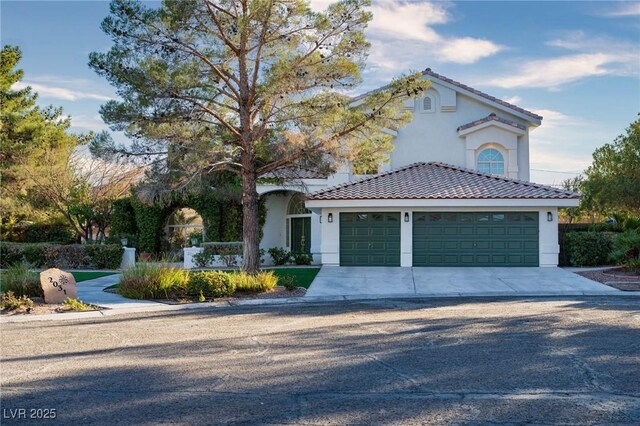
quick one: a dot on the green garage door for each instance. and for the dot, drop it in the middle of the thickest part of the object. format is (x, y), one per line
(369, 239)
(475, 239)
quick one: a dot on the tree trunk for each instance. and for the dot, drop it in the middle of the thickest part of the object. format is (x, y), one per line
(250, 222)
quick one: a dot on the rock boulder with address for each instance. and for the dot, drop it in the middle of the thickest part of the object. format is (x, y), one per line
(57, 285)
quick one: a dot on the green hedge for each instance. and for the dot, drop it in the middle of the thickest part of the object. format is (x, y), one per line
(587, 248)
(70, 256)
(210, 284)
(218, 203)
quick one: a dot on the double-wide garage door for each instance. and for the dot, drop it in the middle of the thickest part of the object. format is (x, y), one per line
(475, 239)
(441, 239)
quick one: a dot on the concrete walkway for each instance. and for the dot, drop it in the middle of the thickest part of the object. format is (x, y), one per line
(92, 291)
(365, 282)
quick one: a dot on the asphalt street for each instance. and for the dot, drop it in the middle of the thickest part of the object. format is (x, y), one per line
(457, 361)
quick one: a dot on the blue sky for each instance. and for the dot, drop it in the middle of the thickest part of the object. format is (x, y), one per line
(575, 63)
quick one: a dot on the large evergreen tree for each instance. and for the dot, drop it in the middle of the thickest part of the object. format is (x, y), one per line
(247, 86)
(34, 142)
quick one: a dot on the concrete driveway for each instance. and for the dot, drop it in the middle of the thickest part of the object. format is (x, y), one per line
(367, 282)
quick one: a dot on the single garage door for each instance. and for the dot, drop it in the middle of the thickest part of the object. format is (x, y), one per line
(369, 239)
(475, 239)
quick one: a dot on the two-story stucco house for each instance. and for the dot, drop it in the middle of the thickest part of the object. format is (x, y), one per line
(455, 193)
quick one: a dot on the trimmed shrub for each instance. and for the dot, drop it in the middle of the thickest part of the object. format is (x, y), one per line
(288, 282)
(105, 256)
(10, 254)
(302, 258)
(44, 255)
(210, 284)
(148, 281)
(279, 255)
(35, 254)
(19, 280)
(228, 253)
(55, 232)
(626, 249)
(70, 256)
(587, 248)
(262, 281)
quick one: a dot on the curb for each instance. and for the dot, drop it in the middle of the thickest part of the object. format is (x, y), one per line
(297, 300)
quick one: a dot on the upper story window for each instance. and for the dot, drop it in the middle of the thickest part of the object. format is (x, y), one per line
(491, 161)
(428, 103)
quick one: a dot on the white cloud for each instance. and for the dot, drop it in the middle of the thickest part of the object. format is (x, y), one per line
(401, 34)
(408, 21)
(513, 100)
(402, 37)
(624, 9)
(563, 143)
(552, 73)
(467, 50)
(63, 93)
(589, 56)
(87, 122)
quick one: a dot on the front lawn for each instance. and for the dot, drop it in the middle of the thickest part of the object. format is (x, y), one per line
(303, 277)
(89, 275)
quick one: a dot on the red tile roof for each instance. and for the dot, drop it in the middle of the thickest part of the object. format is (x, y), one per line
(435, 180)
(491, 117)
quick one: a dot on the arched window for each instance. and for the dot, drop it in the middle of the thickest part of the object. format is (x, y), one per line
(491, 161)
(296, 205)
(428, 103)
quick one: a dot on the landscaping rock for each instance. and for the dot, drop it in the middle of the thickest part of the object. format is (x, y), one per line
(58, 285)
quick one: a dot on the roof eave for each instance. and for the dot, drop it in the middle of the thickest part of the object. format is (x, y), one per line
(452, 203)
(490, 123)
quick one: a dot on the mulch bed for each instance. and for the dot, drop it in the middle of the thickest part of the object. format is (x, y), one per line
(620, 278)
(41, 308)
(276, 293)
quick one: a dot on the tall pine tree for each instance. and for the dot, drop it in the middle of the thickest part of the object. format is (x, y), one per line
(247, 86)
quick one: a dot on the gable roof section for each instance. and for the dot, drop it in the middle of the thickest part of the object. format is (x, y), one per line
(471, 90)
(489, 118)
(435, 180)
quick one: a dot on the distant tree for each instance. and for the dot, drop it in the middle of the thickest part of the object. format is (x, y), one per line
(613, 180)
(83, 191)
(574, 184)
(247, 86)
(33, 141)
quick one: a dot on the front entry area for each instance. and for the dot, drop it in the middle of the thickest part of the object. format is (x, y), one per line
(370, 239)
(301, 235)
(475, 239)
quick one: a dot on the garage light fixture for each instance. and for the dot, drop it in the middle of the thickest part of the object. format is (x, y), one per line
(406, 216)
(549, 217)
(330, 218)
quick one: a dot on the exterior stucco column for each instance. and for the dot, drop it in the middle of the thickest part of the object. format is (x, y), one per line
(406, 239)
(329, 246)
(549, 247)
